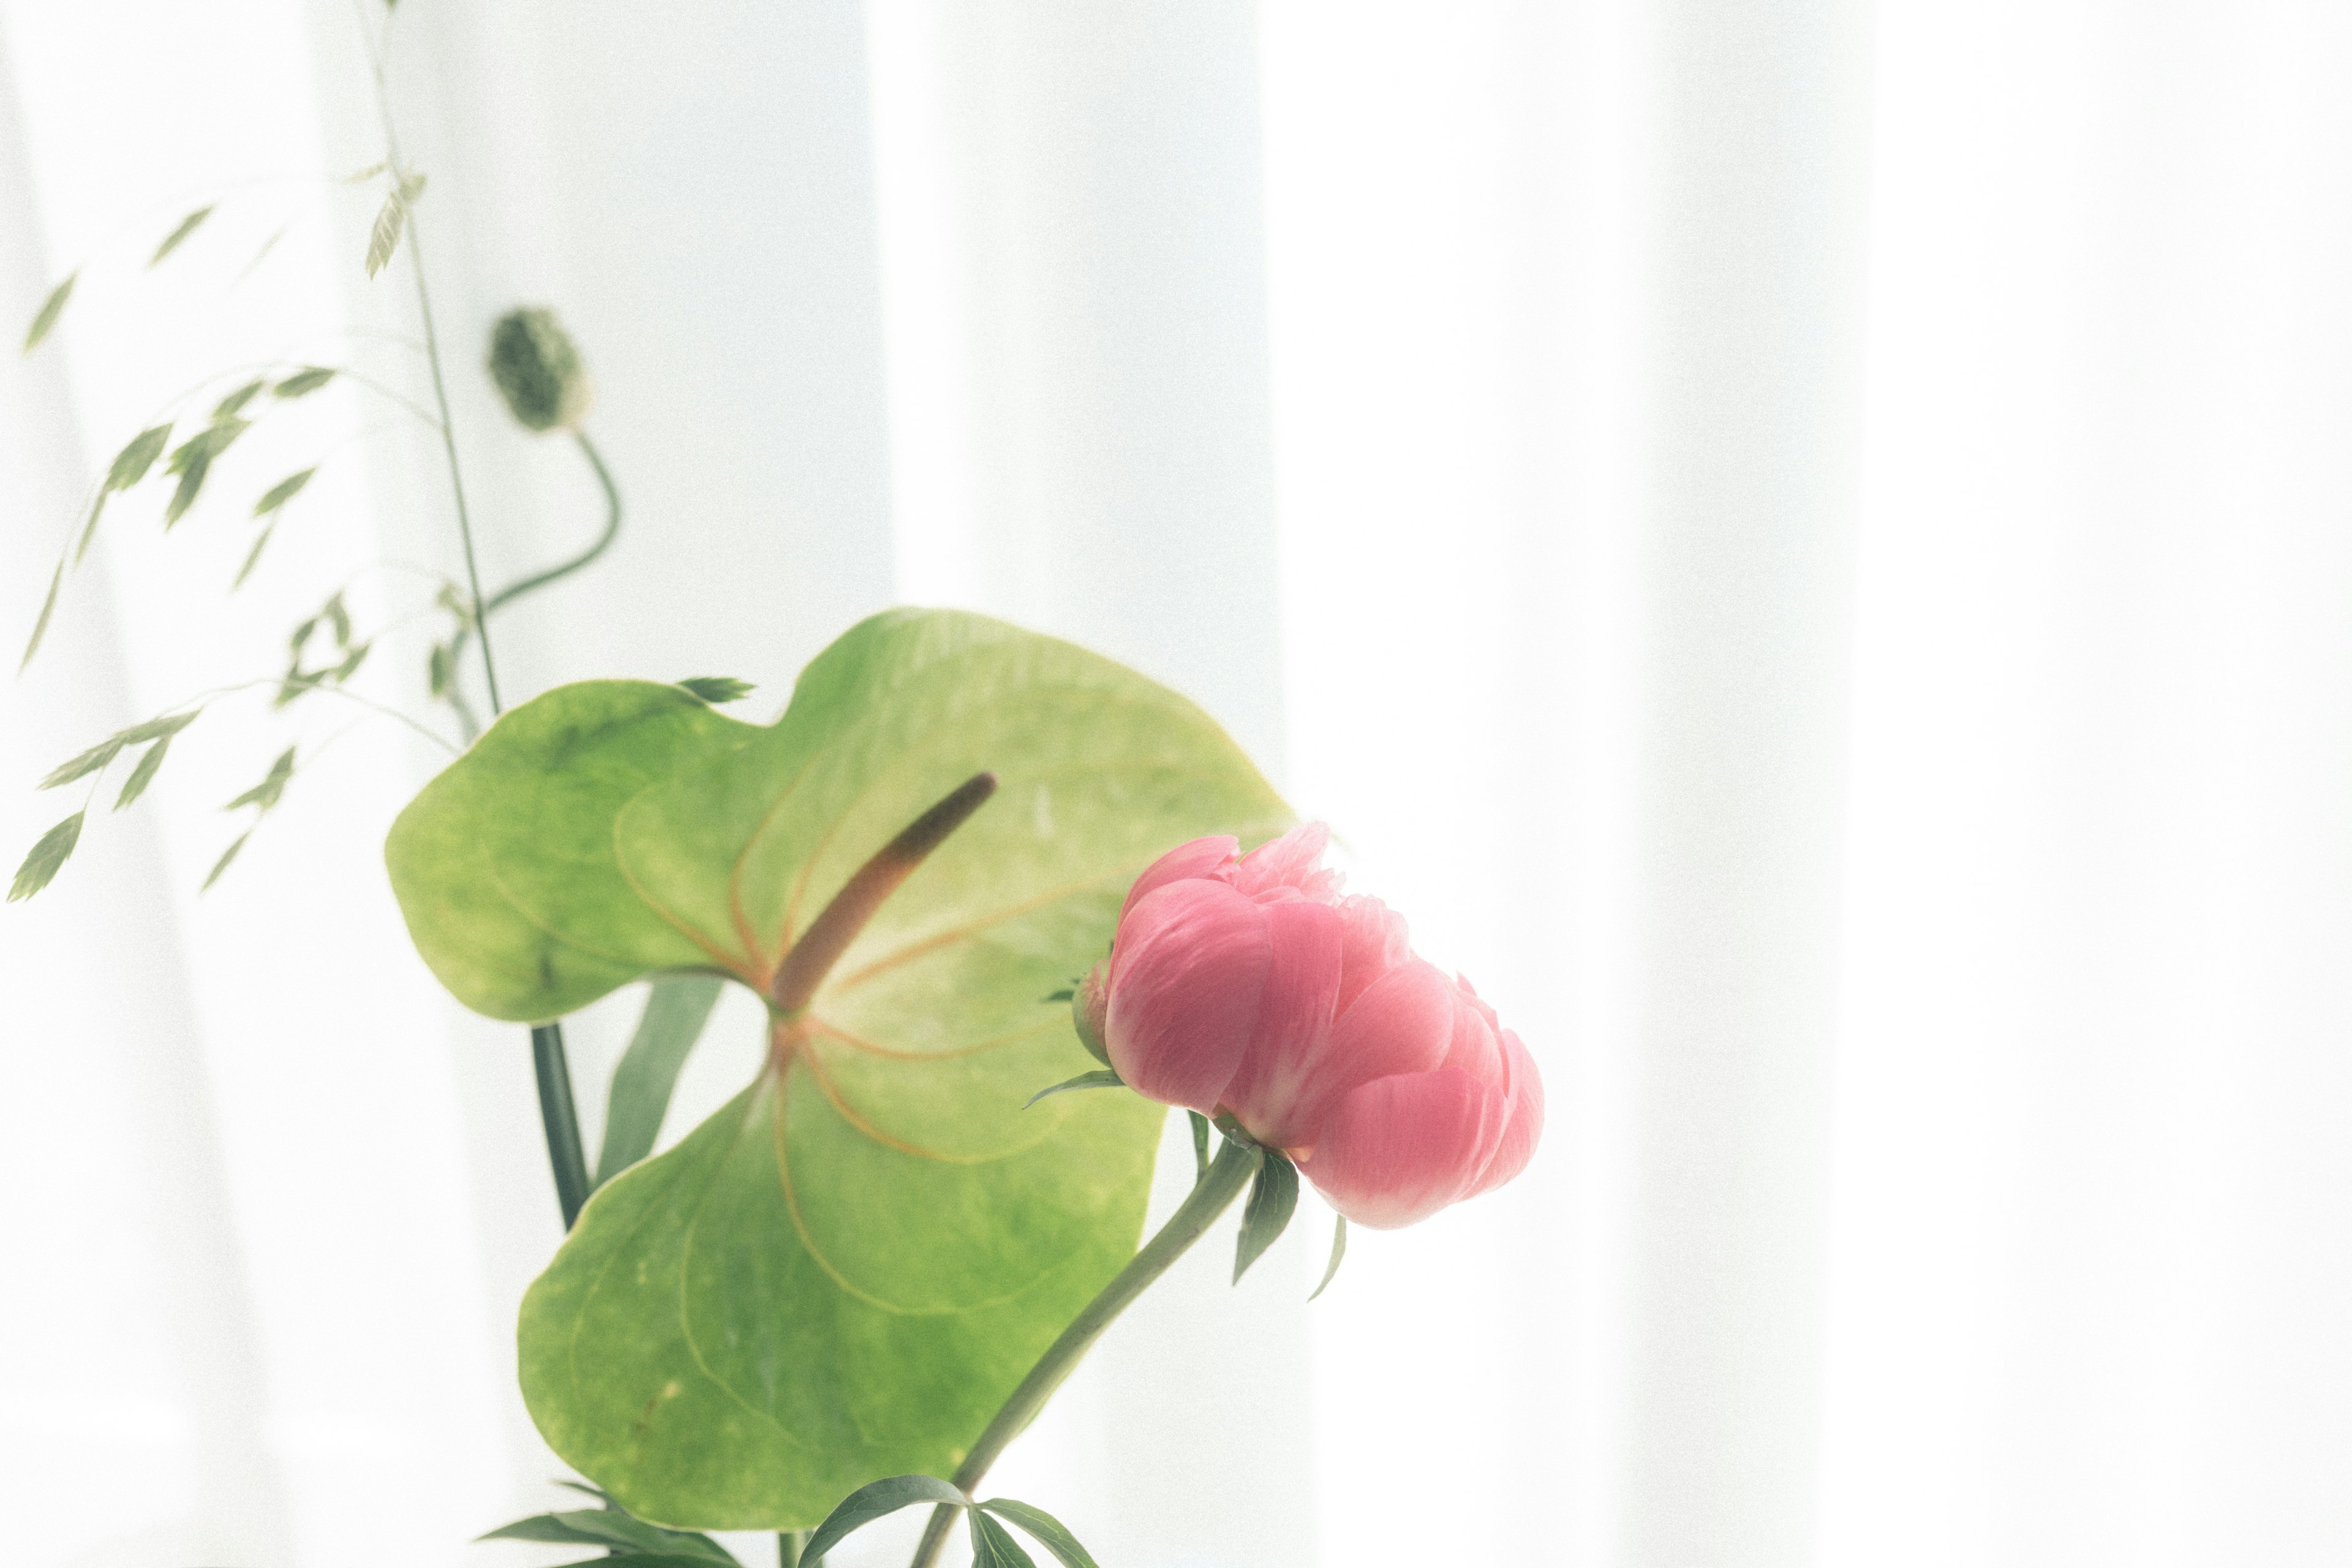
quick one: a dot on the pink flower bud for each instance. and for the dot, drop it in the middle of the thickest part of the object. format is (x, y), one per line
(1245, 983)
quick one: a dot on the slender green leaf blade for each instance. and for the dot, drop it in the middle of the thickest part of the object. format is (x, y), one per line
(131, 463)
(1200, 1143)
(157, 728)
(192, 483)
(1101, 1077)
(1044, 1529)
(178, 236)
(675, 1010)
(842, 1274)
(252, 558)
(993, 1545)
(545, 1527)
(51, 309)
(229, 407)
(281, 492)
(90, 529)
(1274, 1196)
(227, 857)
(265, 794)
(1338, 1251)
(143, 774)
(85, 765)
(718, 688)
(303, 382)
(385, 238)
(872, 1501)
(45, 858)
(41, 622)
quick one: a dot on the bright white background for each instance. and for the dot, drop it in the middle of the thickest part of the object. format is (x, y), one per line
(1808, 546)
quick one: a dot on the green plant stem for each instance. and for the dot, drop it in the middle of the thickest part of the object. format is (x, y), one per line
(790, 1544)
(565, 1154)
(449, 448)
(1214, 1193)
(557, 1113)
(538, 579)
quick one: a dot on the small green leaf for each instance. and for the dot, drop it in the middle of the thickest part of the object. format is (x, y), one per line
(340, 618)
(41, 622)
(611, 1527)
(273, 784)
(303, 382)
(1064, 994)
(1200, 1143)
(260, 256)
(227, 855)
(84, 766)
(385, 238)
(90, 529)
(51, 309)
(252, 558)
(412, 186)
(1050, 1532)
(234, 404)
(1338, 1251)
(172, 240)
(46, 856)
(352, 662)
(1273, 1196)
(143, 774)
(362, 176)
(871, 1501)
(715, 688)
(436, 670)
(131, 463)
(158, 729)
(677, 1008)
(993, 1545)
(192, 459)
(1101, 1077)
(192, 481)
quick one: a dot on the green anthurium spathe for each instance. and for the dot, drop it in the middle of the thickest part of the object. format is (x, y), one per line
(840, 1275)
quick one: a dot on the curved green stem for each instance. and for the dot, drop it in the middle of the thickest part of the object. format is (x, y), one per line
(1214, 1193)
(538, 579)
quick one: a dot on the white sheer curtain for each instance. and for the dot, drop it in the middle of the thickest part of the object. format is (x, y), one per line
(1805, 544)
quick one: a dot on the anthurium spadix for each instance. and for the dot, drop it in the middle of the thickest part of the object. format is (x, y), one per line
(842, 1274)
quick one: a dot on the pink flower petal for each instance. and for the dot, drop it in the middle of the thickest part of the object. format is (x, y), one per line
(1295, 1014)
(1184, 985)
(1213, 857)
(1398, 1149)
(1477, 1046)
(1402, 1024)
(1293, 860)
(1523, 1118)
(1374, 943)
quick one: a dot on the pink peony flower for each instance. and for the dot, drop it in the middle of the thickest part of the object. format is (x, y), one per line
(1245, 983)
